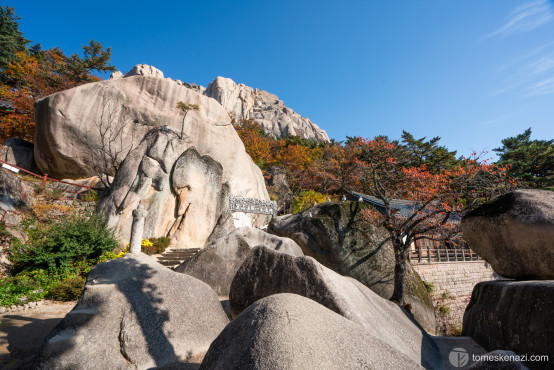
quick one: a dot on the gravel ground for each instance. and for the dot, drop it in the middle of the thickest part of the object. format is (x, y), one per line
(22, 332)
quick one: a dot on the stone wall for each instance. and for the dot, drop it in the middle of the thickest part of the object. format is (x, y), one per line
(452, 285)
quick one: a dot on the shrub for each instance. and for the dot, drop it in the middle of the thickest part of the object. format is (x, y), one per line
(90, 196)
(444, 310)
(30, 286)
(306, 199)
(50, 211)
(53, 194)
(62, 243)
(429, 286)
(159, 245)
(69, 289)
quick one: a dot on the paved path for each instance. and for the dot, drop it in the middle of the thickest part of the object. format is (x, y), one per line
(22, 333)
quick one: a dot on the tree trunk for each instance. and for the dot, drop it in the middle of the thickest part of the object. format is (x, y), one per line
(400, 256)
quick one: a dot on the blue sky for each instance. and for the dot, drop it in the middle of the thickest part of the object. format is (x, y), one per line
(472, 72)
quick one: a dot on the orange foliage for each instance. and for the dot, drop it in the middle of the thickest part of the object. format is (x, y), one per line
(30, 78)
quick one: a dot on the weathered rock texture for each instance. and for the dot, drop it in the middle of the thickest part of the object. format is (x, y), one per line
(515, 234)
(339, 238)
(513, 315)
(68, 126)
(134, 313)
(20, 153)
(218, 263)
(184, 194)
(244, 102)
(266, 272)
(278, 189)
(287, 331)
(144, 70)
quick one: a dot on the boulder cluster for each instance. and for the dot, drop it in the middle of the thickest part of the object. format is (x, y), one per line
(515, 234)
(288, 312)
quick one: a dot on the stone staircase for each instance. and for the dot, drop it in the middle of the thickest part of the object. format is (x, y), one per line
(175, 256)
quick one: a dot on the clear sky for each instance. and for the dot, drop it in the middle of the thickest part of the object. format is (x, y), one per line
(472, 72)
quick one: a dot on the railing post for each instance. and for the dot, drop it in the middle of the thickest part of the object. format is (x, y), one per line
(137, 229)
(44, 179)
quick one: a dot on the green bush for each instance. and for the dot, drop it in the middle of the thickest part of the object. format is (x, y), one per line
(429, 286)
(60, 244)
(30, 286)
(69, 289)
(159, 245)
(90, 196)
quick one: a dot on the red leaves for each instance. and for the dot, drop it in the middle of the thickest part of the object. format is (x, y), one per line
(435, 195)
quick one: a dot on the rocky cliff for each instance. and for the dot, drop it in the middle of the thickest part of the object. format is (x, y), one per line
(91, 128)
(245, 102)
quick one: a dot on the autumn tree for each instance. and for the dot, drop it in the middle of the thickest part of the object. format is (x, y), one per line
(256, 142)
(530, 160)
(437, 198)
(30, 73)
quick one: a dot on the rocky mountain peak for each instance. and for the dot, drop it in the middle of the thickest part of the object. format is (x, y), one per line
(245, 102)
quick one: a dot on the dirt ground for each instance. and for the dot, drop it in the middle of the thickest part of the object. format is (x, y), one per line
(22, 333)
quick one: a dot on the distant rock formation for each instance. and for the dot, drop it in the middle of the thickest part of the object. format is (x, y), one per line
(145, 70)
(244, 102)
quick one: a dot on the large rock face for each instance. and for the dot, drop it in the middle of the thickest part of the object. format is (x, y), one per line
(244, 102)
(266, 272)
(515, 234)
(135, 314)
(513, 315)
(19, 153)
(182, 192)
(338, 237)
(218, 263)
(75, 124)
(287, 331)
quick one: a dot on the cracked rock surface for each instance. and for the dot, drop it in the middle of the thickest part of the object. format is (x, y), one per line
(135, 314)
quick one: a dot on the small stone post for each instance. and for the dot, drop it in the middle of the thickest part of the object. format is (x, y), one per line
(137, 229)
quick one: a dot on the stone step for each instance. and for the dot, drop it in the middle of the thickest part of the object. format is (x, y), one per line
(170, 263)
(175, 256)
(179, 253)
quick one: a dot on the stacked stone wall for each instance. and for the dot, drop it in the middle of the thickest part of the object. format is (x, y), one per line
(452, 284)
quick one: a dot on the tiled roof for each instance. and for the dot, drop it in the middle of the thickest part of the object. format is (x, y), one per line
(404, 207)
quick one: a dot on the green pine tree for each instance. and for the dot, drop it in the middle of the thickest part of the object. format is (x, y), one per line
(11, 39)
(530, 160)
